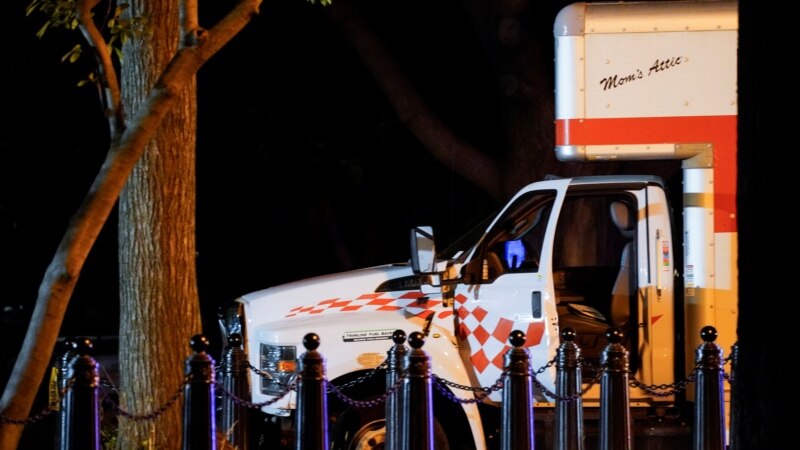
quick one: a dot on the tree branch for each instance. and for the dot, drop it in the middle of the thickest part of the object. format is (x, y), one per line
(189, 22)
(432, 132)
(230, 25)
(105, 67)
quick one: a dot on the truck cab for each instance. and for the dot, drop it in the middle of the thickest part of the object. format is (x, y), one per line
(589, 253)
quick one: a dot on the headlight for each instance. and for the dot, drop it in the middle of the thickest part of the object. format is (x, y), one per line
(279, 364)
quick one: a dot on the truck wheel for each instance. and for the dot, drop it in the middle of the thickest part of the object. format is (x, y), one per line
(365, 429)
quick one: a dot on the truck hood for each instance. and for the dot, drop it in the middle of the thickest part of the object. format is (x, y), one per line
(352, 299)
(344, 284)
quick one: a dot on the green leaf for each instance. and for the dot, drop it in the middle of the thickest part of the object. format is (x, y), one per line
(118, 52)
(73, 54)
(33, 6)
(91, 78)
(43, 30)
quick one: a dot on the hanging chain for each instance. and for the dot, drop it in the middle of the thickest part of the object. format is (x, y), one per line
(331, 388)
(364, 377)
(481, 392)
(566, 398)
(157, 412)
(46, 411)
(248, 404)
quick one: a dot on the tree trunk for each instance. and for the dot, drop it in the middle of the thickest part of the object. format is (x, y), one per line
(176, 86)
(159, 308)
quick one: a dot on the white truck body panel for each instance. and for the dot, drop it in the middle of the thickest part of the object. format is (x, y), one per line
(659, 81)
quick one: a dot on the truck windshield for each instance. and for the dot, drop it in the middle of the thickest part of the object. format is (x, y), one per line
(512, 244)
(516, 239)
(467, 241)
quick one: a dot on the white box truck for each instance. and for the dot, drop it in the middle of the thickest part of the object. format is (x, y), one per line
(634, 81)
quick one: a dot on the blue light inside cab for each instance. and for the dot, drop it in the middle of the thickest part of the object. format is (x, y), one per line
(515, 253)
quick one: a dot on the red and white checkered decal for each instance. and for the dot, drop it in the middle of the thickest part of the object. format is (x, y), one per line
(410, 302)
(487, 333)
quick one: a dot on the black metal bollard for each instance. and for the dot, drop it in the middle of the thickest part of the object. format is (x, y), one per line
(615, 415)
(311, 432)
(233, 378)
(394, 372)
(63, 367)
(82, 402)
(516, 423)
(417, 398)
(569, 413)
(709, 399)
(199, 426)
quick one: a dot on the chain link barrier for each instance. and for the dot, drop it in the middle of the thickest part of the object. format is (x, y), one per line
(441, 384)
(46, 411)
(665, 390)
(331, 388)
(362, 378)
(105, 385)
(248, 404)
(481, 392)
(146, 416)
(598, 372)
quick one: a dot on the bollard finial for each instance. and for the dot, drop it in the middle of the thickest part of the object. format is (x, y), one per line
(568, 334)
(71, 344)
(199, 343)
(614, 335)
(311, 341)
(708, 333)
(416, 340)
(517, 338)
(399, 337)
(83, 346)
(235, 340)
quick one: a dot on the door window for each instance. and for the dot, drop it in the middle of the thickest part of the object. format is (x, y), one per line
(514, 244)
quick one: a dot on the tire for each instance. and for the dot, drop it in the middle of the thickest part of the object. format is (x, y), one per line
(365, 429)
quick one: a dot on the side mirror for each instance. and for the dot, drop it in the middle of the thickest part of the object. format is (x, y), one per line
(423, 250)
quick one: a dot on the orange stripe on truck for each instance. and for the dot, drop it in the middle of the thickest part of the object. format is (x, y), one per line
(717, 130)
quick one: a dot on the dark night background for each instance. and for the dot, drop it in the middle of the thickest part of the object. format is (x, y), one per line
(303, 167)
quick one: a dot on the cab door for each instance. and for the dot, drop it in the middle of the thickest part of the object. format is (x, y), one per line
(509, 286)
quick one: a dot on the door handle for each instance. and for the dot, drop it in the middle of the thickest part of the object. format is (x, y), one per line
(536, 304)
